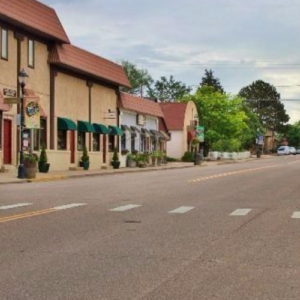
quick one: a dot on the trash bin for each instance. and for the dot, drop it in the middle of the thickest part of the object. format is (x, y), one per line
(197, 161)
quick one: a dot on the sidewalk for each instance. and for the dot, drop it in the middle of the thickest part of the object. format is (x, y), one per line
(11, 177)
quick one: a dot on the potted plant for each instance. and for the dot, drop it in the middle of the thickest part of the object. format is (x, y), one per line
(115, 160)
(160, 156)
(85, 159)
(43, 161)
(131, 160)
(141, 160)
(30, 163)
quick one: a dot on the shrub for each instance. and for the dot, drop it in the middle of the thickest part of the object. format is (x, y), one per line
(188, 157)
(85, 157)
(43, 156)
(171, 159)
(116, 155)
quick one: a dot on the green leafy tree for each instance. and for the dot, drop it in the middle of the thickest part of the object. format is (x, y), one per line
(139, 79)
(292, 134)
(210, 80)
(264, 100)
(223, 117)
(168, 90)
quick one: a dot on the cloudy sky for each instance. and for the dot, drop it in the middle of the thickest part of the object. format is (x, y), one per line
(240, 40)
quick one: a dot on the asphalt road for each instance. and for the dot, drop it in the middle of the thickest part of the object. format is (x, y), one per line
(221, 232)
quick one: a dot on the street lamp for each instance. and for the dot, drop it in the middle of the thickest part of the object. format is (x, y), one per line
(23, 77)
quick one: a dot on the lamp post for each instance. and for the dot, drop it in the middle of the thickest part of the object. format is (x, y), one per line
(22, 81)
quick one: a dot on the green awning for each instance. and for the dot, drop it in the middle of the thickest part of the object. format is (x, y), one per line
(84, 126)
(66, 124)
(101, 129)
(114, 130)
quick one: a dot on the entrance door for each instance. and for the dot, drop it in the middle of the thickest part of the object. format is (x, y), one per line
(7, 139)
(72, 146)
(104, 148)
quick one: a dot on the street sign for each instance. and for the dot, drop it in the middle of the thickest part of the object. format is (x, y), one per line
(12, 100)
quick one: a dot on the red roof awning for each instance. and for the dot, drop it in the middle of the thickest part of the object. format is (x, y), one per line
(3, 107)
(191, 135)
(29, 94)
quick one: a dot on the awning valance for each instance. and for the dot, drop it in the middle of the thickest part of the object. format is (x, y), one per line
(126, 128)
(157, 134)
(84, 126)
(165, 136)
(66, 124)
(101, 129)
(114, 130)
(135, 130)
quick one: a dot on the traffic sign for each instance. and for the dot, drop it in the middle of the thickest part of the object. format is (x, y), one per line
(12, 100)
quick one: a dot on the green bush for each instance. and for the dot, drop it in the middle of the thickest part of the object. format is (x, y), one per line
(227, 145)
(85, 157)
(116, 155)
(43, 156)
(188, 157)
(171, 159)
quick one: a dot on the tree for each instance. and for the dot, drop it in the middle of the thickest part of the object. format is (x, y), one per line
(264, 101)
(168, 90)
(138, 78)
(223, 117)
(292, 134)
(210, 80)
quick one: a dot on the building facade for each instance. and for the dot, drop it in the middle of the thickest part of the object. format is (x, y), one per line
(77, 91)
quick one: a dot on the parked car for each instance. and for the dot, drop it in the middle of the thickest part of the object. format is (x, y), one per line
(298, 151)
(293, 150)
(283, 150)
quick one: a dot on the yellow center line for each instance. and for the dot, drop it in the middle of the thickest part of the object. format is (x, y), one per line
(27, 215)
(231, 173)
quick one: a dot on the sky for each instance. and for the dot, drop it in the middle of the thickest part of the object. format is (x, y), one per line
(240, 40)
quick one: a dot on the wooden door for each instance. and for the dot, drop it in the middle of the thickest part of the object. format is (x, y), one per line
(104, 148)
(72, 146)
(7, 143)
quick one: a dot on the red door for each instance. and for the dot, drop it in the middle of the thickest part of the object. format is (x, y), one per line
(72, 146)
(7, 139)
(104, 148)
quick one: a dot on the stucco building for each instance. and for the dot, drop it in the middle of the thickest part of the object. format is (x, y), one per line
(77, 91)
(181, 120)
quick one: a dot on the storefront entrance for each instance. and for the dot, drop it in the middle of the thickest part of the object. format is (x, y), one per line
(7, 140)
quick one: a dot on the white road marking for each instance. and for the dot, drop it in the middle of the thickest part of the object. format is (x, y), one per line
(181, 210)
(14, 206)
(125, 207)
(241, 212)
(296, 215)
(72, 205)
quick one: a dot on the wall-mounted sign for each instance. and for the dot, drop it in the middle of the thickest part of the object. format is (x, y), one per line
(10, 93)
(32, 114)
(12, 100)
(141, 120)
(200, 133)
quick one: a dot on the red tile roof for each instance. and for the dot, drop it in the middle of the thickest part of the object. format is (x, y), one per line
(141, 105)
(3, 106)
(33, 16)
(77, 59)
(174, 115)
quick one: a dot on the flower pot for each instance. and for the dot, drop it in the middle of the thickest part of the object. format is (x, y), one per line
(85, 165)
(30, 171)
(44, 167)
(116, 164)
(131, 163)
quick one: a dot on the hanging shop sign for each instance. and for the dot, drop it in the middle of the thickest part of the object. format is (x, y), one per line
(260, 139)
(141, 120)
(32, 114)
(10, 93)
(200, 133)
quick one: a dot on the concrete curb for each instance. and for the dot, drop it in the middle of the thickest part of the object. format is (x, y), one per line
(74, 176)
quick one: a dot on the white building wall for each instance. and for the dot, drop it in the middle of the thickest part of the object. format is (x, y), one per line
(175, 145)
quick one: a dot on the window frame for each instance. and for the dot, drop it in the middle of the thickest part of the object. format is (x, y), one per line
(37, 135)
(111, 143)
(6, 41)
(33, 53)
(99, 142)
(65, 137)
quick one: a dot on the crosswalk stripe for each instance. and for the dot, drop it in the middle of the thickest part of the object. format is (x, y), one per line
(72, 205)
(181, 210)
(14, 206)
(125, 207)
(241, 212)
(296, 215)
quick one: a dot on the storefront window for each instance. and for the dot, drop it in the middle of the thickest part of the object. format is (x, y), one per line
(61, 140)
(111, 143)
(96, 142)
(80, 140)
(133, 142)
(143, 143)
(40, 135)
(4, 44)
(123, 142)
(30, 53)
(153, 144)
